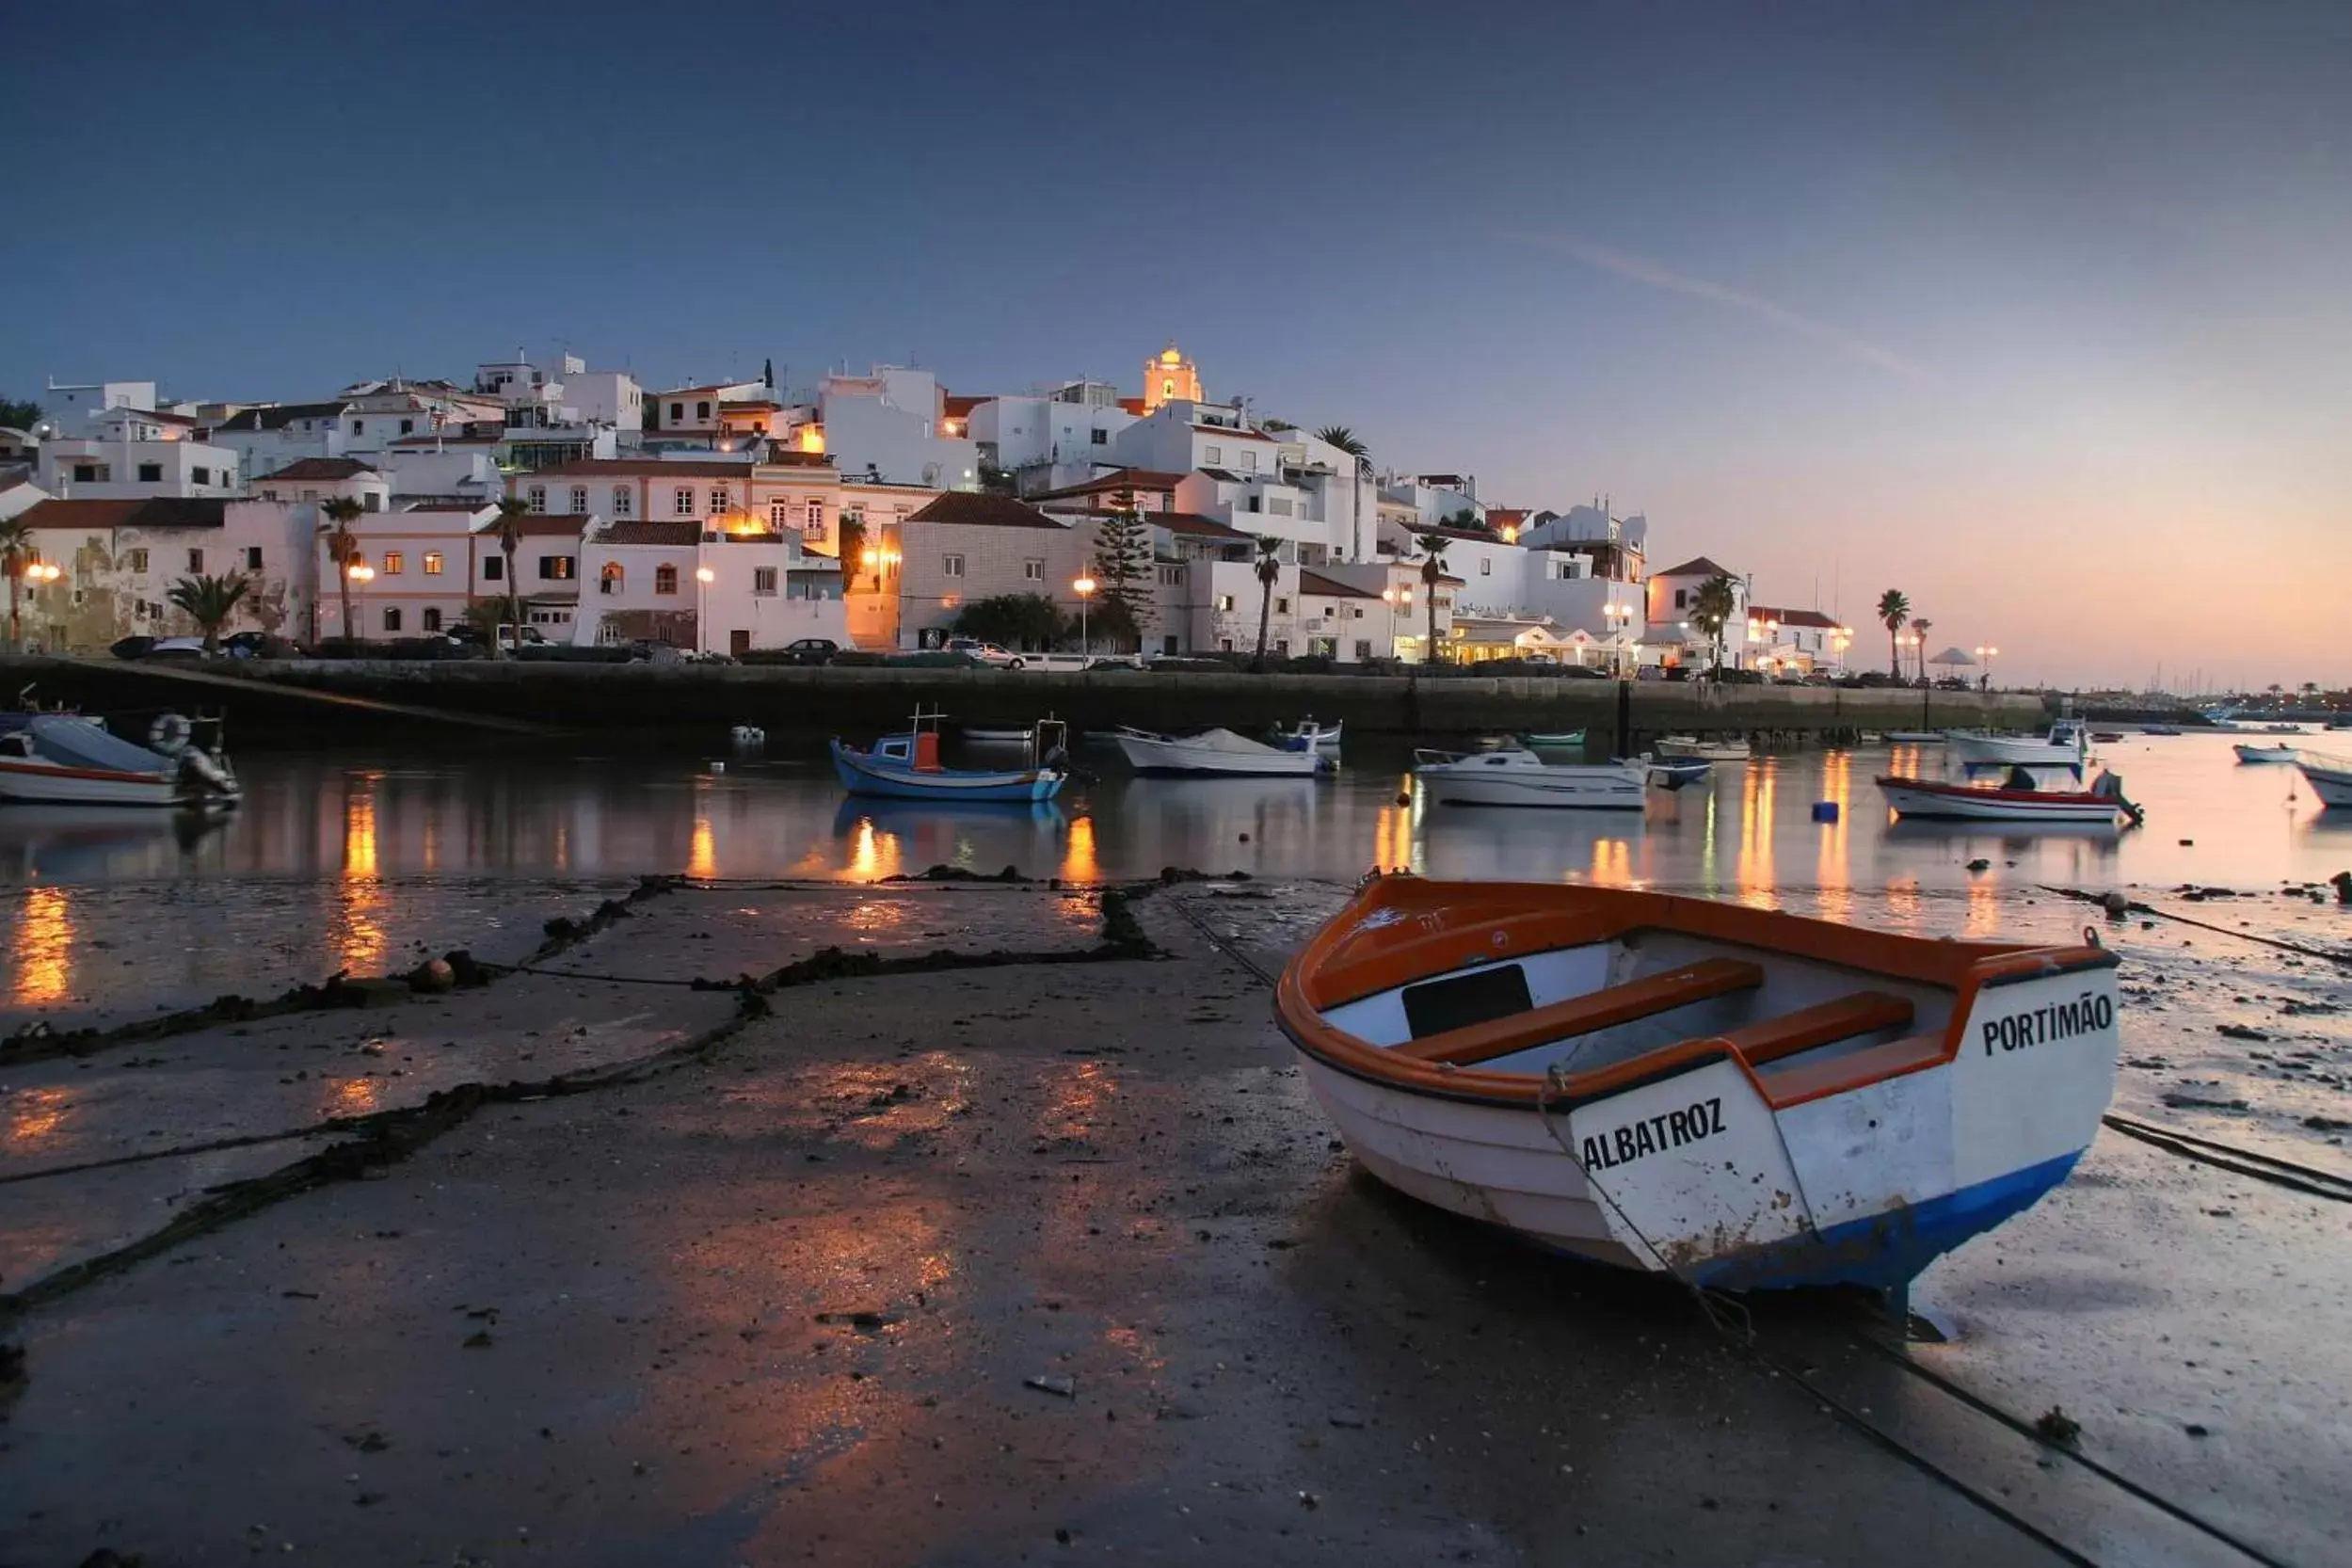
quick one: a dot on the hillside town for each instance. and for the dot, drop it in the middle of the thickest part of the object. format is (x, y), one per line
(882, 512)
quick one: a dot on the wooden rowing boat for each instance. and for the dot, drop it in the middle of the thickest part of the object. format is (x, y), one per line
(1739, 1097)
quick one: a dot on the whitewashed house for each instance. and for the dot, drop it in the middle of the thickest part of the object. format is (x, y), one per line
(891, 427)
(119, 558)
(692, 586)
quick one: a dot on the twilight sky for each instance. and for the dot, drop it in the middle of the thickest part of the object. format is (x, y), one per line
(2042, 314)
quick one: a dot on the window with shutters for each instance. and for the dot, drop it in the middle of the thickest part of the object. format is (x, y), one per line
(665, 579)
(621, 499)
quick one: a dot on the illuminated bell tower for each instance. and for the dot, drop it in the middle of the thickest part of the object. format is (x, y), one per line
(1170, 377)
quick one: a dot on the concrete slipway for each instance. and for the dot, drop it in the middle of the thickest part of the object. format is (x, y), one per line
(1006, 1232)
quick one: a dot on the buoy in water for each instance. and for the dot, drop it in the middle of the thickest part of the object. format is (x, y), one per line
(718, 767)
(1825, 810)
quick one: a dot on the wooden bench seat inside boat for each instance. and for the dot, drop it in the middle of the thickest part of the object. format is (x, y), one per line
(1810, 1080)
(1842, 1019)
(1581, 1014)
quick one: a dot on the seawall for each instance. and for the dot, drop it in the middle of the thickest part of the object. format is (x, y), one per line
(861, 701)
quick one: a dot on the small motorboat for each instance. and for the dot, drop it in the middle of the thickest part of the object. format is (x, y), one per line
(1306, 735)
(907, 767)
(2106, 737)
(1520, 777)
(2067, 746)
(1733, 750)
(1216, 753)
(2160, 729)
(2016, 799)
(1734, 1096)
(1916, 737)
(1553, 739)
(2278, 753)
(1673, 773)
(66, 760)
(2282, 730)
(2330, 777)
(988, 734)
(747, 735)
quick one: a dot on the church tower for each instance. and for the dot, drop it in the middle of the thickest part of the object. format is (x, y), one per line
(1170, 377)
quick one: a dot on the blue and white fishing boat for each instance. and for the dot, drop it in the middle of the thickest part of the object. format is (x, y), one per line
(1306, 735)
(907, 767)
(1673, 773)
(1735, 1096)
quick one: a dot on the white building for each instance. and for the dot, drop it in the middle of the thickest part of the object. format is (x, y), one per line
(1674, 600)
(891, 425)
(694, 587)
(271, 436)
(121, 556)
(1052, 439)
(68, 409)
(150, 455)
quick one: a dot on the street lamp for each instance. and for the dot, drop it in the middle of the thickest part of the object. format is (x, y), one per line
(1618, 616)
(1986, 654)
(1084, 587)
(704, 577)
(361, 574)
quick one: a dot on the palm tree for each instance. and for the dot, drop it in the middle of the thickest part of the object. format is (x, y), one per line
(1345, 440)
(1920, 626)
(1433, 572)
(1712, 607)
(341, 546)
(209, 601)
(1269, 568)
(1894, 610)
(16, 554)
(511, 511)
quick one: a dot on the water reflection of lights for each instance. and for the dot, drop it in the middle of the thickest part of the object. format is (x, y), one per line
(43, 949)
(1392, 831)
(872, 855)
(1831, 869)
(35, 1115)
(354, 1096)
(1078, 858)
(1984, 908)
(1756, 885)
(1612, 863)
(362, 941)
(1072, 1098)
(702, 859)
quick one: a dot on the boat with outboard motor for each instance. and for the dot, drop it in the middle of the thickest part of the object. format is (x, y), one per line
(1553, 739)
(1673, 773)
(70, 759)
(1306, 735)
(2330, 777)
(2067, 746)
(1734, 750)
(2016, 799)
(907, 767)
(1216, 754)
(1517, 776)
(1734, 1096)
(2278, 753)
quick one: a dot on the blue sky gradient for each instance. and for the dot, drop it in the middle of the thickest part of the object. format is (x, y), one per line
(2039, 313)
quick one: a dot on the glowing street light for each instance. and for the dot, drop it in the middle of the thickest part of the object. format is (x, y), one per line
(361, 574)
(1084, 588)
(704, 577)
(1987, 653)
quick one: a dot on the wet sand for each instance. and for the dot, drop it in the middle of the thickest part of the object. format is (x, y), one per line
(1042, 1252)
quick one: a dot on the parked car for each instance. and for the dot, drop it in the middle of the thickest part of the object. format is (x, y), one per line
(260, 645)
(133, 648)
(990, 654)
(531, 637)
(808, 651)
(176, 648)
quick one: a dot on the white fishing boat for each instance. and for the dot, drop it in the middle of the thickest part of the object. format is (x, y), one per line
(1941, 800)
(2330, 777)
(1520, 777)
(1735, 1096)
(1734, 750)
(1308, 733)
(66, 760)
(2067, 746)
(2280, 753)
(1215, 753)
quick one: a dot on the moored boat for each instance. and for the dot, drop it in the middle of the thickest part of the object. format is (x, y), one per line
(2278, 753)
(1916, 737)
(2330, 777)
(2067, 746)
(1734, 750)
(1673, 773)
(66, 760)
(907, 767)
(1553, 739)
(1215, 753)
(2106, 737)
(1520, 777)
(2160, 729)
(1308, 735)
(1739, 1097)
(1942, 800)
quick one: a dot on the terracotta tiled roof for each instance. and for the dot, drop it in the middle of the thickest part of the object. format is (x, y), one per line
(961, 408)
(1316, 583)
(1194, 523)
(448, 438)
(1792, 618)
(981, 509)
(142, 512)
(1122, 479)
(640, 467)
(447, 507)
(1472, 536)
(685, 531)
(279, 417)
(318, 468)
(1134, 405)
(1698, 565)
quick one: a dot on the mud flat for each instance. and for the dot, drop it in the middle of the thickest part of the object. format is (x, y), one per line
(989, 1224)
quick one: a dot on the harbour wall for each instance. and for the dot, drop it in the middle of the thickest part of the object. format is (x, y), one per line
(337, 695)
